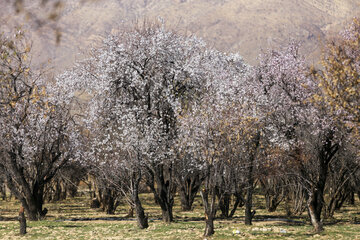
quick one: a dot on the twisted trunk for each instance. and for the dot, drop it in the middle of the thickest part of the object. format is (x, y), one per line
(141, 218)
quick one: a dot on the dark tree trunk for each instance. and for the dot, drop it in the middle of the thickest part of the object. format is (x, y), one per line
(273, 192)
(164, 193)
(130, 213)
(60, 192)
(91, 184)
(141, 218)
(288, 206)
(34, 211)
(63, 194)
(239, 202)
(33, 204)
(28, 187)
(339, 202)
(351, 198)
(210, 208)
(224, 205)
(109, 201)
(22, 221)
(167, 215)
(110, 209)
(250, 183)
(248, 206)
(57, 192)
(95, 203)
(335, 203)
(3, 191)
(209, 226)
(314, 207)
(272, 202)
(186, 205)
(72, 187)
(73, 190)
(316, 196)
(188, 191)
(248, 201)
(31, 197)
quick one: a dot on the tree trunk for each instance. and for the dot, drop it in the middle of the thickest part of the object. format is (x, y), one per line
(31, 200)
(109, 209)
(224, 205)
(209, 226)
(73, 190)
(248, 206)
(164, 193)
(315, 201)
(188, 191)
(109, 201)
(250, 183)
(186, 199)
(351, 198)
(141, 218)
(33, 210)
(210, 208)
(63, 193)
(60, 191)
(57, 192)
(130, 213)
(166, 210)
(3, 191)
(315, 204)
(288, 206)
(249, 193)
(239, 201)
(22, 221)
(186, 205)
(33, 204)
(335, 203)
(272, 202)
(30, 189)
(95, 203)
(315, 214)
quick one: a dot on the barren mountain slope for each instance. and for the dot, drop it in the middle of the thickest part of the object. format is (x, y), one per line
(246, 26)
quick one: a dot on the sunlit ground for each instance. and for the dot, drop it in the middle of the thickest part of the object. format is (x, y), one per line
(187, 225)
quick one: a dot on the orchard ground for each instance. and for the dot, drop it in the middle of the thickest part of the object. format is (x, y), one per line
(187, 225)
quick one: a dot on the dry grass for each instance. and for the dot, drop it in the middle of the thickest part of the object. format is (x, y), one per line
(187, 225)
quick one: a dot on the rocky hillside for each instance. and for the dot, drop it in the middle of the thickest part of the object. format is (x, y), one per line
(246, 26)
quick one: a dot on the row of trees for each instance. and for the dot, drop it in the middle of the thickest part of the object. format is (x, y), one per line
(172, 114)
